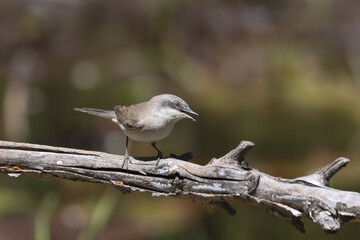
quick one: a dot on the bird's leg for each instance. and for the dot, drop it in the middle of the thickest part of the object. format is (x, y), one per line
(127, 155)
(160, 155)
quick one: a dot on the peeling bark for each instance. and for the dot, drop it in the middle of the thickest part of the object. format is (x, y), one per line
(223, 179)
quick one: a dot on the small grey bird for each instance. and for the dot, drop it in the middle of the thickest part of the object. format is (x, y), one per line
(148, 121)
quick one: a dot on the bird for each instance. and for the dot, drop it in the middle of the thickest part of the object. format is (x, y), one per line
(148, 121)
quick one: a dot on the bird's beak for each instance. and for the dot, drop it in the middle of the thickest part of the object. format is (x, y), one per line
(189, 111)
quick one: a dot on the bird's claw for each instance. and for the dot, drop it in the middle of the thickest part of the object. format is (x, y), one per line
(159, 157)
(126, 161)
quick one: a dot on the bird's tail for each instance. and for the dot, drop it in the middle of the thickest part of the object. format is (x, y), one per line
(98, 112)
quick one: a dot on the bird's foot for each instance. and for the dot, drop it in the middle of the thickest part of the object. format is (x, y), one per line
(159, 157)
(185, 156)
(126, 161)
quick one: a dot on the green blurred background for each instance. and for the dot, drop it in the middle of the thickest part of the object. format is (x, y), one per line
(284, 74)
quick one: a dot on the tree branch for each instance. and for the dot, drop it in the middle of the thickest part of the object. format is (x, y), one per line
(221, 180)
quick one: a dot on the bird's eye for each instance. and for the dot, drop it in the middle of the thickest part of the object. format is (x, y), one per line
(177, 104)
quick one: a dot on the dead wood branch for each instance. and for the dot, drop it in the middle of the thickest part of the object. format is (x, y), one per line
(223, 179)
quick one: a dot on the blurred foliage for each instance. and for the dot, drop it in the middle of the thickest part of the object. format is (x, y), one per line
(284, 74)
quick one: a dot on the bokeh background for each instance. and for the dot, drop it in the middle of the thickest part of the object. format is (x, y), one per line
(284, 74)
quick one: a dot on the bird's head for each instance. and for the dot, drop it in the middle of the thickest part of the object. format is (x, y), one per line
(173, 106)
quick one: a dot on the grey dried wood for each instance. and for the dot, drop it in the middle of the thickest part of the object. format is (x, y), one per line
(224, 179)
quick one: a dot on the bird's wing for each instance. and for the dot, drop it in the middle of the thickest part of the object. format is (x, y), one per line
(127, 117)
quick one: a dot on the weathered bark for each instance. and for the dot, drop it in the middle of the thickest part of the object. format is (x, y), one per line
(223, 179)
